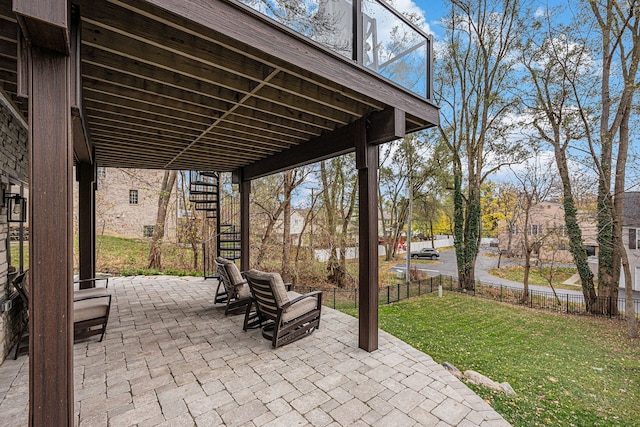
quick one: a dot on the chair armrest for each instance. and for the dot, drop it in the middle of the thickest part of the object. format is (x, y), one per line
(94, 280)
(90, 297)
(301, 297)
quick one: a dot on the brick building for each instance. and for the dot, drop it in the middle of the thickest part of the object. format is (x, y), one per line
(127, 203)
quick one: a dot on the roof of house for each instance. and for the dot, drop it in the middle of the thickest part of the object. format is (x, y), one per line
(631, 209)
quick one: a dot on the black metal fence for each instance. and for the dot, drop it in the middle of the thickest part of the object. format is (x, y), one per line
(562, 303)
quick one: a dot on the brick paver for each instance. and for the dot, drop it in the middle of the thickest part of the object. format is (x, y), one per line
(171, 358)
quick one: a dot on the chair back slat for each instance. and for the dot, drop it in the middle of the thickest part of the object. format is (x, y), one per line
(19, 284)
(263, 294)
(226, 279)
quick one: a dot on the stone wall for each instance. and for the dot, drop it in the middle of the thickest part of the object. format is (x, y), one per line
(13, 168)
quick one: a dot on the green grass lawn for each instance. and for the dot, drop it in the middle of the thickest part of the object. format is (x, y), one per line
(566, 370)
(116, 255)
(537, 276)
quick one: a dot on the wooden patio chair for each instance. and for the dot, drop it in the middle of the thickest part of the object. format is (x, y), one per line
(233, 289)
(100, 288)
(90, 314)
(19, 282)
(292, 316)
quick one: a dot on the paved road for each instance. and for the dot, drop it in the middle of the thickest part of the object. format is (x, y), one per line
(447, 266)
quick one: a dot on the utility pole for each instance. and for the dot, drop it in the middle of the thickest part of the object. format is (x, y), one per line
(409, 213)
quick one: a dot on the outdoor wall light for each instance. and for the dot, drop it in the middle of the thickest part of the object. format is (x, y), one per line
(16, 207)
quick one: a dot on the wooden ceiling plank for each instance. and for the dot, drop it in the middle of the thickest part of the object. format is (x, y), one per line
(139, 84)
(142, 117)
(223, 146)
(245, 27)
(234, 129)
(206, 73)
(101, 99)
(166, 37)
(328, 145)
(261, 125)
(233, 45)
(251, 144)
(134, 123)
(237, 123)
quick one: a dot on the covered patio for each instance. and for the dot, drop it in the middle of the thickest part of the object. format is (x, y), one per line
(191, 85)
(170, 358)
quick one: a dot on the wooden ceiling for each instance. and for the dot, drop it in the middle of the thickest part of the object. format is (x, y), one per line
(190, 89)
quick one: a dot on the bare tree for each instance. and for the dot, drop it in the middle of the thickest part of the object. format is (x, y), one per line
(473, 87)
(535, 186)
(168, 182)
(339, 192)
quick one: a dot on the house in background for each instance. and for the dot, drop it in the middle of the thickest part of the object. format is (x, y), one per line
(631, 237)
(547, 231)
(127, 203)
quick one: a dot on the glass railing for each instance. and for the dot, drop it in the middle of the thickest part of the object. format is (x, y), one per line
(389, 43)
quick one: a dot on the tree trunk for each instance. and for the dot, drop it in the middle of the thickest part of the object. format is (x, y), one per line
(286, 226)
(576, 243)
(168, 181)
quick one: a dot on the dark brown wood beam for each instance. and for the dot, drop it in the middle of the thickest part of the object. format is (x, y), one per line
(325, 146)
(86, 176)
(385, 126)
(44, 23)
(367, 164)
(81, 147)
(51, 395)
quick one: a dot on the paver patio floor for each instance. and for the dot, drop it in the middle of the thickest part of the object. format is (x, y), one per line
(170, 358)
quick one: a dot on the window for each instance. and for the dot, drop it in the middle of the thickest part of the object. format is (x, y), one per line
(563, 229)
(102, 173)
(148, 230)
(133, 197)
(534, 229)
(634, 238)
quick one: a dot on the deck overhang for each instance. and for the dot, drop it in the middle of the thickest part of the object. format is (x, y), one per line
(176, 84)
(203, 85)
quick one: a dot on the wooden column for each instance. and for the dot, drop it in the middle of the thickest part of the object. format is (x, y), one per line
(50, 247)
(367, 164)
(45, 26)
(86, 221)
(245, 191)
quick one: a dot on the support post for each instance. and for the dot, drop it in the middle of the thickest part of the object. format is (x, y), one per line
(86, 174)
(245, 191)
(367, 164)
(51, 245)
(45, 26)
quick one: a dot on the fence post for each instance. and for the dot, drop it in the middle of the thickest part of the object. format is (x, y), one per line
(408, 289)
(567, 303)
(334, 298)
(388, 294)
(355, 298)
(398, 292)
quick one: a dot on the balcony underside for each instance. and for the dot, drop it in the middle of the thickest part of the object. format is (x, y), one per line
(211, 85)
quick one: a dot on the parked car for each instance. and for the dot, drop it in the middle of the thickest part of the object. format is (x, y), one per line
(426, 253)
